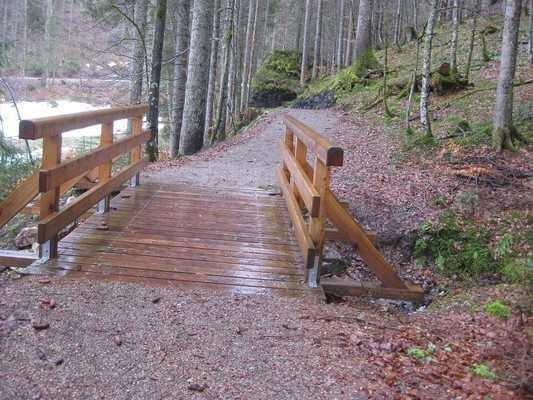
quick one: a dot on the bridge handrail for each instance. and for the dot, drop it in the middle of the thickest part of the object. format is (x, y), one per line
(306, 186)
(51, 126)
(54, 174)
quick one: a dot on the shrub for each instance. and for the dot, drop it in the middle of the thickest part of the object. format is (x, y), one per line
(497, 309)
(483, 371)
(454, 248)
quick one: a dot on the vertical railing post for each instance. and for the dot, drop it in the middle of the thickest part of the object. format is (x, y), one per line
(104, 171)
(50, 200)
(317, 224)
(136, 153)
(300, 155)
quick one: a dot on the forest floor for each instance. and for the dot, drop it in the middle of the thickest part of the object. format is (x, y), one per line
(126, 341)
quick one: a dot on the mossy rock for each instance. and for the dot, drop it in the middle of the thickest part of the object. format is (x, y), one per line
(445, 81)
(277, 80)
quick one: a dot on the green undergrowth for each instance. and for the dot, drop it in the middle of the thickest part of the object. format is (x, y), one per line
(461, 248)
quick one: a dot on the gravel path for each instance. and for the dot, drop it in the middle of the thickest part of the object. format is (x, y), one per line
(250, 164)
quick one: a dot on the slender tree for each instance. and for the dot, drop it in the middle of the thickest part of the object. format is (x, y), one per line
(247, 63)
(340, 35)
(363, 35)
(139, 52)
(318, 41)
(192, 128)
(213, 67)
(305, 44)
(504, 131)
(155, 79)
(475, 12)
(183, 8)
(530, 48)
(455, 36)
(426, 69)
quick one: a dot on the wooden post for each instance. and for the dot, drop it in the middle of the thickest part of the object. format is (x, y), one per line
(104, 171)
(136, 153)
(300, 154)
(317, 229)
(50, 199)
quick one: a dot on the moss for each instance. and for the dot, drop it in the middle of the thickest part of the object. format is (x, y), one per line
(497, 309)
(483, 371)
(365, 63)
(277, 79)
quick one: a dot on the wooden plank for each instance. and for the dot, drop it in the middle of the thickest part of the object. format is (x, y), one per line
(19, 198)
(52, 177)
(327, 153)
(51, 225)
(338, 215)
(342, 288)
(307, 247)
(307, 191)
(16, 259)
(136, 130)
(52, 126)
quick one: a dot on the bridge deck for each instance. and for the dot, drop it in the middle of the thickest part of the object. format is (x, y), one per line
(183, 235)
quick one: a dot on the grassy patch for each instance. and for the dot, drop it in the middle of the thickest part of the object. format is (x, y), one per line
(497, 309)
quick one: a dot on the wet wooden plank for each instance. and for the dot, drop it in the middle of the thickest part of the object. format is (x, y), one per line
(187, 235)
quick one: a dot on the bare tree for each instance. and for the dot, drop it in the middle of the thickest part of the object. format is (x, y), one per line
(475, 11)
(192, 128)
(530, 48)
(212, 70)
(426, 69)
(340, 35)
(183, 8)
(247, 63)
(504, 131)
(152, 147)
(363, 35)
(305, 44)
(318, 41)
(455, 35)
(139, 52)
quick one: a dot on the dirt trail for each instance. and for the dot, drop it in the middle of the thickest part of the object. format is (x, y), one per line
(252, 162)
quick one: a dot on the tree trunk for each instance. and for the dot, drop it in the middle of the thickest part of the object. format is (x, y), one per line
(155, 79)
(139, 52)
(476, 11)
(349, 36)
(305, 44)
(234, 59)
(183, 8)
(362, 37)
(25, 38)
(340, 35)
(222, 105)
(192, 129)
(247, 64)
(426, 70)
(530, 48)
(455, 36)
(397, 22)
(213, 66)
(503, 131)
(318, 41)
(48, 41)
(252, 54)
(415, 14)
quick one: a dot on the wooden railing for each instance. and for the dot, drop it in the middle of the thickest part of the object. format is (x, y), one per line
(305, 187)
(56, 177)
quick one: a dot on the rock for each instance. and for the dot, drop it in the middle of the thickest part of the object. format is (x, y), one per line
(325, 99)
(117, 340)
(195, 387)
(277, 80)
(26, 237)
(40, 325)
(156, 300)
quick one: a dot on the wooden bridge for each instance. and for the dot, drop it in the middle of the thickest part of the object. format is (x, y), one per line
(245, 240)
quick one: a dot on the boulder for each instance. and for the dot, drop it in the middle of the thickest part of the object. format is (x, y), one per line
(325, 99)
(26, 238)
(277, 80)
